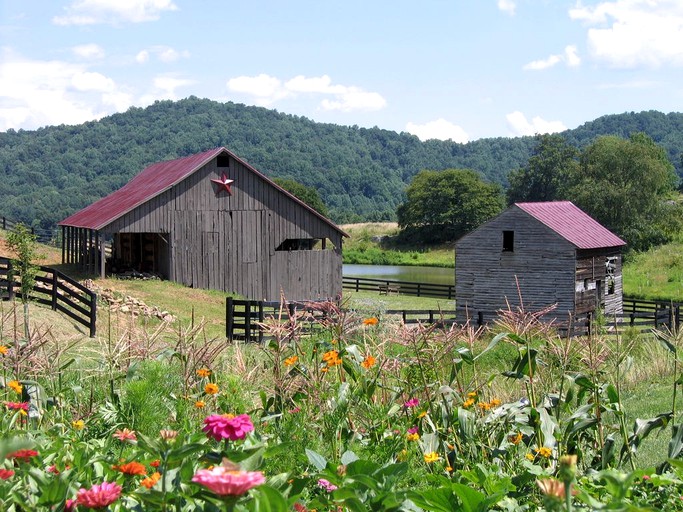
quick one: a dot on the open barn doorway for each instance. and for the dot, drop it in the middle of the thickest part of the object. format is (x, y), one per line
(146, 253)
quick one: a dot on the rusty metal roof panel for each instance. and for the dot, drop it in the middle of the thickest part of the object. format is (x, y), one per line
(572, 224)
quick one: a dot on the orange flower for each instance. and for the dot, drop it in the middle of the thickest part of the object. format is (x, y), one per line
(468, 403)
(370, 321)
(291, 361)
(151, 480)
(15, 385)
(155, 463)
(515, 439)
(200, 404)
(3, 350)
(544, 451)
(211, 389)
(368, 362)
(484, 406)
(132, 468)
(203, 372)
(332, 358)
(168, 435)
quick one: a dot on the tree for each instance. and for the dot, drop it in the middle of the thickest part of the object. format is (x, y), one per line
(444, 205)
(625, 184)
(546, 175)
(308, 195)
(23, 243)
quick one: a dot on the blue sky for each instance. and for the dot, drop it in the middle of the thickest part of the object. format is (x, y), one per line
(458, 69)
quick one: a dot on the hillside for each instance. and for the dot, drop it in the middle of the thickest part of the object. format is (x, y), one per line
(360, 173)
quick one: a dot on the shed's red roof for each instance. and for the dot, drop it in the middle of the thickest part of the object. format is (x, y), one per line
(151, 182)
(572, 224)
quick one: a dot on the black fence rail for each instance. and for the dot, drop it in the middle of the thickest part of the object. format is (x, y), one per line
(55, 289)
(424, 316)
(386, 287)
(43, 236)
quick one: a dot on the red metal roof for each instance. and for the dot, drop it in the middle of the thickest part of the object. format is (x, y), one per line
(572, 224)
(151, 182)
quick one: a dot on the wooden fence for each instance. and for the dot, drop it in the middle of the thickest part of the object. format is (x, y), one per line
(55, 289)
(44, 236)
(386, 287)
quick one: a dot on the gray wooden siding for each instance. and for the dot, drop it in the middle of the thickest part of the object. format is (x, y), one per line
(542, 261)
(228, 242)
(592, 279)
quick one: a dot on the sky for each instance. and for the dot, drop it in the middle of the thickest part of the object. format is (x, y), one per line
(445, 69)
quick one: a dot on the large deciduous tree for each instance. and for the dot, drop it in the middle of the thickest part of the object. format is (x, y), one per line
(625, 184)
(546, 175)
(444, 205)
(308, 195)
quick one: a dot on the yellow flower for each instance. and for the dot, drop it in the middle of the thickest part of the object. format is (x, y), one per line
(368, 362)
(200, 404)
(291, 361)
(530, 456)
(516, 438)
(449, 469)
(422, 414)
(495, 402)
(370, 321)
(203, 372)
(15, 385)
(78, 424)
(544, 451)
(413, 437)
(468, 403)
(3, 350)
(211, 389)
(472, 394)
(484, 406)
(431, 457)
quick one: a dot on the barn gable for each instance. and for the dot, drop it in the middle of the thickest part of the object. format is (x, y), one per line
(213, 221)
(549, 253)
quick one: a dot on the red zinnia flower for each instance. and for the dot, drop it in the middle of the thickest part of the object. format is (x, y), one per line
(17, 406)
(22, 455)
(99, 496)
(227, 427)
(6, 473)
(155, 463)
(132, 468)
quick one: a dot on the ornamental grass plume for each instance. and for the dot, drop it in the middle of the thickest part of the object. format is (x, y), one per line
(227, 426)
(99, 496)
(228, 479)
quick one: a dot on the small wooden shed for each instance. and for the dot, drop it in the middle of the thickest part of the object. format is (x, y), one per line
(554, 252)
(211, 221)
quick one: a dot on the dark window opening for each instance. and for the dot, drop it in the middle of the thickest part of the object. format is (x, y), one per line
(223, 161)
(305, 244)
(508, 241)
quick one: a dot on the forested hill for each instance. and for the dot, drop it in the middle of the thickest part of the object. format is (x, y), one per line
(360, 173)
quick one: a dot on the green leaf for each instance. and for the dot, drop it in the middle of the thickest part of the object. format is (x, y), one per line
(268, 499)
(316, 459)
(348, 457)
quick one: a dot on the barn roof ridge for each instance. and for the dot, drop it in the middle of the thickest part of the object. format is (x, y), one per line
(571, 223)
(155, 179)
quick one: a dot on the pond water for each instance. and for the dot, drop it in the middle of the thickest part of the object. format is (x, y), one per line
(435, 275)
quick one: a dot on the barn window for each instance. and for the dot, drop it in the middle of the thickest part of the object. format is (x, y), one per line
(223, 161)
(305, 244)
(508, 241)
(610, 267)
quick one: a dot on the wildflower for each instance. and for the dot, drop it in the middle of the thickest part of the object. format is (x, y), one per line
(468, 403)
(227, 426)
(332, 358)
(225, 481)
(203, 372)
(484, 406)
(99, 496)
(151, 480)
(168, 435)
(494, 402)
(70, 506)
(412, 430)
(413, 402)
(544, 451)
(368, 362)
(472, 394)
(370, 321)
(155, 463)
(78, 424)
(449, 469)
(200, 404)
(53, 469)
(551, 487)
(567, 470)
(3, 350)
(291, 361)
(431, 457)
(530, 456)
(422, 414)
(126, 435)
(294, 410)
(515, 438)
(18, 406)
(327, 485)
(15, 386)
(22, 455)
(414, 436)
(132, 468)
(6, 474)
(211, 389)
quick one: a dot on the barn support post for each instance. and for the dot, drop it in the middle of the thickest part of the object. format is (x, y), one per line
(63, 245)
(103, 259)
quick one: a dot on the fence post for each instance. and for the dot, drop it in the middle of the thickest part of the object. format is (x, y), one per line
(677, 316)
(633, 319)
(4, 223)
(10, 281)
(229, 317)
(55, 287)
(93, 315)
(589, 323)
(656, 312)
(260, 319)
(480, 318)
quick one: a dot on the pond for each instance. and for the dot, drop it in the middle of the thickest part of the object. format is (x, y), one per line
(435, 275)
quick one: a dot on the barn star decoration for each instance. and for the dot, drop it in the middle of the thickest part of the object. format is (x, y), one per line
(224, 183)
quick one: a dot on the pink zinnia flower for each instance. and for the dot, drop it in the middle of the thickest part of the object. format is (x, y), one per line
(412, 430)
(225, 481)
(126, 435)
(327, 485)
(17, 406)
(99, 496)
(6, 474)
(70, 506)
(413, 402)
(227, 426)
(22, 455)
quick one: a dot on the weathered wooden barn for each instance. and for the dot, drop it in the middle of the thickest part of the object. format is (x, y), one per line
(212, 221)
(553, 250)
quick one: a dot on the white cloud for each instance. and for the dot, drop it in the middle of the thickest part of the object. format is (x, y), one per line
(266, 90)
(521, 126)
(507, 6)
(88, 51)
(570, 57)
(163, 53)
(164, 88)
(92, 12)
(88, 81)
(439, 129)
(633, 33)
